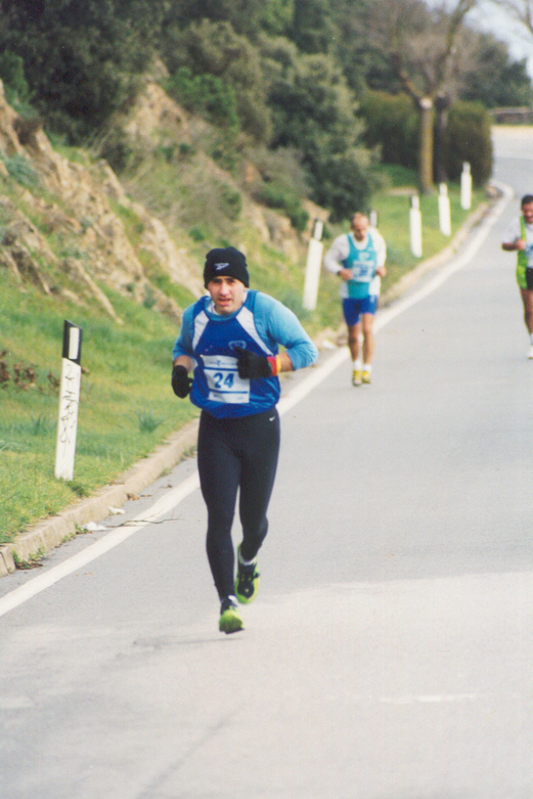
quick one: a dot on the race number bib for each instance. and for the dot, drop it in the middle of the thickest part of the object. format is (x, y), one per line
(364, 269)
(223, 380)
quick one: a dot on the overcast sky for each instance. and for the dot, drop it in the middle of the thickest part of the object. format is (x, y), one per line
(486, 16)
(489, 18)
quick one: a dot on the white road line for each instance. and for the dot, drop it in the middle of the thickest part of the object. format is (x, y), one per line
(163, 505)
(173, 498)
(429, 699)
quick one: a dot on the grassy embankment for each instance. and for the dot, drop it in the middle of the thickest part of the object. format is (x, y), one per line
(127, 407)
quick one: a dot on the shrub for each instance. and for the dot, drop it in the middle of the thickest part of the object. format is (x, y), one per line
(117, 149)
(230, 200)
(148, 422)
(275, 196)
(198, 233)
(343, 183)
(392, 124)
(205, 94)
(282, 167)
(82, 60)
(218, 73)
(467, 138)
(314, 112)
(22, 171)
(13, 77)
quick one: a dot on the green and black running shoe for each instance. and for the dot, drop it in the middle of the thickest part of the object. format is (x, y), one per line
(230, 618)
(247, 581)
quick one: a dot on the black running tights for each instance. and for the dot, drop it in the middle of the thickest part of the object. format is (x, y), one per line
(235, 454)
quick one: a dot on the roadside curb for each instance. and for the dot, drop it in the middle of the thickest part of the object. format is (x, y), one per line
(55, 531)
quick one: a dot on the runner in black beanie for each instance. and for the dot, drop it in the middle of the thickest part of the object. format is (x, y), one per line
(226, 261)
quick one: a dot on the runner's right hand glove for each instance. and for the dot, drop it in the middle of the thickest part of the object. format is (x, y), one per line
(181, 382)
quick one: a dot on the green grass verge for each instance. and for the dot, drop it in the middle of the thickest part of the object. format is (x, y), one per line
(126, 405)
(393, 221)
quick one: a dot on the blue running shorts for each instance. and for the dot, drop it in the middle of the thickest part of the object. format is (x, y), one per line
(354, 309)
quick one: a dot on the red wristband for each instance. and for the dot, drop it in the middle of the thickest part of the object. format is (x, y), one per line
(275, 364)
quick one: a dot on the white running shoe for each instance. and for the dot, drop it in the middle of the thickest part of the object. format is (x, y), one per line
(530, 353)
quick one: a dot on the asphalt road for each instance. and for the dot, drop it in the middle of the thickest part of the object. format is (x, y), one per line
(389, 653)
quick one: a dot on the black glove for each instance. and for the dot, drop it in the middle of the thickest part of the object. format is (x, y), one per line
(181, 382)
(251, 365)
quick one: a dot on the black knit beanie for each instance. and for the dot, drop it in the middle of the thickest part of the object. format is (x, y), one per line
(228, 262)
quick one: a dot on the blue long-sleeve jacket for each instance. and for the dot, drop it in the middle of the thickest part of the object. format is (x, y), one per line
(261, 325)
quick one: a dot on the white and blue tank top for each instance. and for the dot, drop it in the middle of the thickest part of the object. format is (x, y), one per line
(363, 263)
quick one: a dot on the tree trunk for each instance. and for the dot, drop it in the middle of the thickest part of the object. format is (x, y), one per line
(442, 103)
(425, 163)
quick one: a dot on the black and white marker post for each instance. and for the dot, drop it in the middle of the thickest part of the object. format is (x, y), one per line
(69, 398)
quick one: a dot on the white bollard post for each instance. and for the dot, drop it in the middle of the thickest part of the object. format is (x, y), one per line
(69, 396)
(445, 221)
(415, 225)
(373, 218)
(312, 270)
(466, 187)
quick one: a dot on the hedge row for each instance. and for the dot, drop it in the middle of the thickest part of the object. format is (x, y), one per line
(392, 123)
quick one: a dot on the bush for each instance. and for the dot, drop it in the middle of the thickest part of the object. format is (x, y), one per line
(314, 112)
(117, 149)
(344, 183)
(281, 167)
(13, 77)
(22, 171)
(205, 94)
(81, 58)
(468, 138)
(392, 124)
(276, 197)
(230, 200)
(218, 73)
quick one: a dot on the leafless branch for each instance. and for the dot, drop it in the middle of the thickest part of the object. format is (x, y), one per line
(521, 10)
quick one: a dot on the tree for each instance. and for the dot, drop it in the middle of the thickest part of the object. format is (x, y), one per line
(213, 54)
(14, 80)
(521, 10)
(468, 138)
(494, 79)
(81, 58)
(420, 44)
(314, 112)
(247, 17)
(312, 28)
